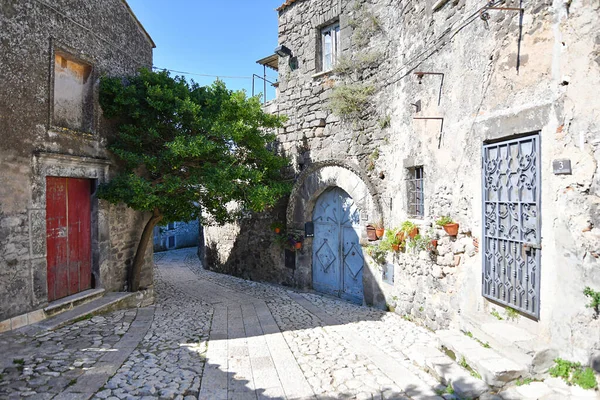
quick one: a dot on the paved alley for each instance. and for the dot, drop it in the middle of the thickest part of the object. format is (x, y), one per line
(212, 336)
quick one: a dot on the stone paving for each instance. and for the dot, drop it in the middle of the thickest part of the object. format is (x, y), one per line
(212, 336)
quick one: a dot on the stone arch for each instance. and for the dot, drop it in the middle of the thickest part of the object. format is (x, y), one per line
(319, 177)
(315, 180)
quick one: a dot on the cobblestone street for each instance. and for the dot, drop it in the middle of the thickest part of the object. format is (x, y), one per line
(212, 336)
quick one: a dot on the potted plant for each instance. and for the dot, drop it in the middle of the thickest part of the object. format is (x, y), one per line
(277, 227)
(379, 228)
(295, 240)
(410, 229)
(448, 224)
(371, 233)
(392, 241)
(377, 254)
(433, 244)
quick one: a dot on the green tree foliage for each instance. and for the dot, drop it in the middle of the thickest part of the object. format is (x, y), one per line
(187, 152)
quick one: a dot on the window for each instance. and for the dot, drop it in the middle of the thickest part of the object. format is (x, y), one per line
(330, 46)
(416, 203)
(73, 100)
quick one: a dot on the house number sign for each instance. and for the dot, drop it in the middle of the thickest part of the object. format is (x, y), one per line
(561, 167)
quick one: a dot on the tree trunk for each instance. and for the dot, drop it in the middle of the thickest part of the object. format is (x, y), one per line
(140, 254)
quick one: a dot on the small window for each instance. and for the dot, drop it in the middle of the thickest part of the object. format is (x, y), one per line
(330, 46)
(416, 198)
(172, 225)
(73, 94)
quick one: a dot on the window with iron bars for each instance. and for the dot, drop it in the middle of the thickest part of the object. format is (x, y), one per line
(415, 194)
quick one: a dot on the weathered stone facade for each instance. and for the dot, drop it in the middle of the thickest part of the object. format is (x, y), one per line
(39, 139)
(503, 76)
(177, 235)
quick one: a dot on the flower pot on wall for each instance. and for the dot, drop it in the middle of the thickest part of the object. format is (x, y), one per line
(433, 245)
(413, 232)
(400, 236)
(451, 229)
(298, 245)
(277, 230)
(396, 247)
(371, 234)
(379, 232)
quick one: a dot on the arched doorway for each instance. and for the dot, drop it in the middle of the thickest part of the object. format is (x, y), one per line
(338, 261)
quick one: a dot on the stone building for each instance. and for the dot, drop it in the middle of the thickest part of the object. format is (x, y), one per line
(176, 235)
(56, 238)
(409, 111)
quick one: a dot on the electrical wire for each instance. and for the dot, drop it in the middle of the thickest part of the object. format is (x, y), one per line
(441, 41)
(205, 75)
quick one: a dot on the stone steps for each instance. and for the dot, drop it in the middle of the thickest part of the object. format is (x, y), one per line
(514, 343)
(495, 369)
(69, 302)
(108, 302)
(447, 371)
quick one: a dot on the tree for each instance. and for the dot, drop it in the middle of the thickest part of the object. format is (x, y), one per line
(187, 152)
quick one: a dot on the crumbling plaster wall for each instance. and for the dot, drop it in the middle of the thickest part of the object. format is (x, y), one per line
(483, 97)
(101, 33)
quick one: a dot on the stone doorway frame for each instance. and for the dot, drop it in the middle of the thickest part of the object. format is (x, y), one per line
(53, 164)
(313, 182)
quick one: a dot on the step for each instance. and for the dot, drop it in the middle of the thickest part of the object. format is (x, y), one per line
(495, 369)
(109, 302)
(447, 371)
(513, 343)
(67, 303)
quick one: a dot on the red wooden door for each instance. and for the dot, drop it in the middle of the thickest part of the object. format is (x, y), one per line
(68, 236)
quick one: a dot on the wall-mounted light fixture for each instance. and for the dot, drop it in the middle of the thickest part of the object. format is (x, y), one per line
(283, 51)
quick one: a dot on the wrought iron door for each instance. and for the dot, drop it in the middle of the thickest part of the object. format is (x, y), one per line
(511, 223)
(337, 256)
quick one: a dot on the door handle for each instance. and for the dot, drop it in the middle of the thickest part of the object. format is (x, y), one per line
(529, 246)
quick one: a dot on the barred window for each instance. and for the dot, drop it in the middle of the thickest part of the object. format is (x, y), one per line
(414, 185)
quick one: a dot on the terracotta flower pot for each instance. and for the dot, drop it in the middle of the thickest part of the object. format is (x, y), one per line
(413, 232)
(433, 245)
(396, 247)
(451, 229)
(277, 230)
(298, 245)
(379, 232)
(371, 234)
(400, 236)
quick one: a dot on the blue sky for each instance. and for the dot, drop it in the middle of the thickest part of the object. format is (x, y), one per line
(218, 37)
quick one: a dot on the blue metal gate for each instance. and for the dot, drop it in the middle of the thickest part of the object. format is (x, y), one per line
(512, 223)
(337, 256)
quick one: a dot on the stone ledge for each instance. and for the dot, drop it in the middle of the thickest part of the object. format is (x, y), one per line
(69, 302)
(445, 370)
(495, 369)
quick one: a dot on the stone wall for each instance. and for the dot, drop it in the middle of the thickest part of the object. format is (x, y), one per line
(101, 34)
(249, 249)
(185, 234)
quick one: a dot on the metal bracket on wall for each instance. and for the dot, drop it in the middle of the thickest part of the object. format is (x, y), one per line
(485, 16)
(420, 75)
(441, 127)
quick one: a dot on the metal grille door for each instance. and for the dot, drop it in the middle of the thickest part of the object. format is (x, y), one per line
(511, 221)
